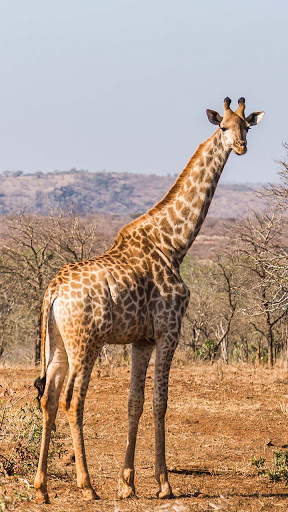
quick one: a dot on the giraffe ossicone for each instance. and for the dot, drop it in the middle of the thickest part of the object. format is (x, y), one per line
(131, 294)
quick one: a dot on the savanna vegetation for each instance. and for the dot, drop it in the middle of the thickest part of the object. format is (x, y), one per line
(239, 291)
(237, 275)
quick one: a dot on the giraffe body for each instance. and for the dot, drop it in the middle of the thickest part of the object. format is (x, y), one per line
(131, 294)
(115, 301)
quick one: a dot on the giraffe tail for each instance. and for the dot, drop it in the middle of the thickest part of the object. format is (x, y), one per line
(40, 382)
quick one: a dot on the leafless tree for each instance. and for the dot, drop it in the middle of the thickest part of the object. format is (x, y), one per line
(278, 193)
(226, 274)
(74, 238)
(212, 307)
(260, 248)
(33, 250)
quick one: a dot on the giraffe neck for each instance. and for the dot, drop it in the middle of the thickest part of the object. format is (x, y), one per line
(176, 220)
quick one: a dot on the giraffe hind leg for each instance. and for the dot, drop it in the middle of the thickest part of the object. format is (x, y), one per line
(73, 405)
(50, 388)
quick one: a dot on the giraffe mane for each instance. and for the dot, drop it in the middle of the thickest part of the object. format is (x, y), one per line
(172, 192)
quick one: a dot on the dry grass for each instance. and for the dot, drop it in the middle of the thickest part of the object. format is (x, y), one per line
(218, 419)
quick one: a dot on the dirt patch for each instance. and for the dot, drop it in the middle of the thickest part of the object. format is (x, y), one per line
(218, 418)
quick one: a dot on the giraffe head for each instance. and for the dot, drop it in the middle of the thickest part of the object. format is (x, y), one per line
(234, 125)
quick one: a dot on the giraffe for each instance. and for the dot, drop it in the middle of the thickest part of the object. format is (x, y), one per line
(134, 294)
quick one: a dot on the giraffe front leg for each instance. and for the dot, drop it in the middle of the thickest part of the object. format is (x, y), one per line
(164, 353)
(140, 359)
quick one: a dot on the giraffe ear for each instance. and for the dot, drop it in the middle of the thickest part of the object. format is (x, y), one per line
(255, 118)
(213, 116)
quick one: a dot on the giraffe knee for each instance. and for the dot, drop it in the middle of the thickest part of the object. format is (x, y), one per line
(67, 405)
(64, 405)
(72, 407)
(49, 405)
(135, 407)
(159, 408)
(47, 399)
(66, 401)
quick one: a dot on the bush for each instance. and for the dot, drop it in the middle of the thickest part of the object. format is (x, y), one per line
(20, 433)
(279, 471)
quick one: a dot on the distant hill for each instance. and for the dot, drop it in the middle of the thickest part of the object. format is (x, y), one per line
(109, 193)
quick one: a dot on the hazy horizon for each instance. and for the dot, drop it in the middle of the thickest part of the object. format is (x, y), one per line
(223, 181)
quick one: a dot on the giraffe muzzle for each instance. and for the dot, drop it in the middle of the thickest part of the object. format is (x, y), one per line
(240, 148)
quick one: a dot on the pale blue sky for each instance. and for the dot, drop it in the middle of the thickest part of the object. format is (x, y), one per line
(124, 85)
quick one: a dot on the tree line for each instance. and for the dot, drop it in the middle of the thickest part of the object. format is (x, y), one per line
(239, 300)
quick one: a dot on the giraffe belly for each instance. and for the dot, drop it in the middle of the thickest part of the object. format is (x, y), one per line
(129, 310)
(129, 326)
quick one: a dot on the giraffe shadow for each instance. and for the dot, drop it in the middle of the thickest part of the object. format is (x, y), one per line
(204, 471)
(195, 471)
(257, 495)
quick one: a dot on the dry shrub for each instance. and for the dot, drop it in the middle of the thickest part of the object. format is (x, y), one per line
(21, 432)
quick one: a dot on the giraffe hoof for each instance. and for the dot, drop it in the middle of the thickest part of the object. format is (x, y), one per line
(41, 497)
(127, 492)
(90, 494)
(128, 487)
(165, 493)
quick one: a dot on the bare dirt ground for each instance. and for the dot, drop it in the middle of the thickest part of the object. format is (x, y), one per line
(218, 418)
